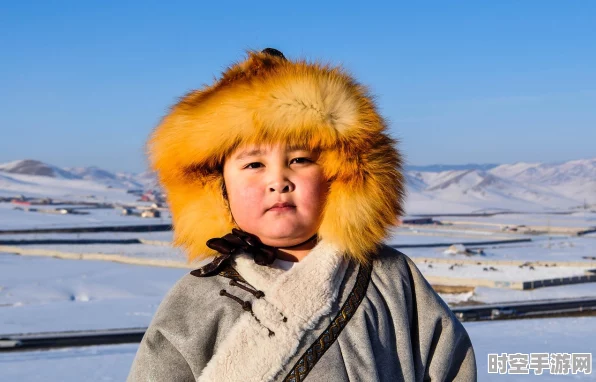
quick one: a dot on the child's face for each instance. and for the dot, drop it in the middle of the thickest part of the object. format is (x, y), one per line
(259, 177)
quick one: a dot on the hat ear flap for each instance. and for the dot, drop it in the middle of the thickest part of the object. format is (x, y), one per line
(360, 207)
(199, 213)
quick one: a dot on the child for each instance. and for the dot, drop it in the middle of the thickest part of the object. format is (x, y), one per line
(284, 172)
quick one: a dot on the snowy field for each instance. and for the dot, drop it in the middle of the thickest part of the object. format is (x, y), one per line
(577, 219)
(13, 219)
(143, 251)
(546, 335)
(165, 236)
(499, 273)
(59, 187)
(78, 294)
(577, 249)
(94, 363)
(405, 236)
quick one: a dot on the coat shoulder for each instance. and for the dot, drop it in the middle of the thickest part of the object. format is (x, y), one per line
(395, 268)
(190, 290)
(189, 296)
(390, 261)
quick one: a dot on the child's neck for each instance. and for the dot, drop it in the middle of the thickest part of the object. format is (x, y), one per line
(296, 253)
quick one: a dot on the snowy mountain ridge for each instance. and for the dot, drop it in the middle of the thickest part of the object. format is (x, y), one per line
(34, 167)
(95, 174)
(119, 180)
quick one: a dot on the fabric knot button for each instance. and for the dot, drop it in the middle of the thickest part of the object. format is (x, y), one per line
(235, 242)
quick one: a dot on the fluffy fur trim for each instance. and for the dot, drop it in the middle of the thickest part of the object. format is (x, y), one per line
(303, 295)
(267, 99)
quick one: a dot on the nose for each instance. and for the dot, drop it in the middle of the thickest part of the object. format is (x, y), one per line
(280, 183)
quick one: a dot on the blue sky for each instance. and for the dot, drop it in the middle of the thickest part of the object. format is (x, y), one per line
(83, 82)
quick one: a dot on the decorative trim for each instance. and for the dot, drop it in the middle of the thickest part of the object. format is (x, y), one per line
(230, 273)
(314, 353)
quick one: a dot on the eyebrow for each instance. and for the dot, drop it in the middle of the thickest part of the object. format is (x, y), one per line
(250, 153)
(245, 154)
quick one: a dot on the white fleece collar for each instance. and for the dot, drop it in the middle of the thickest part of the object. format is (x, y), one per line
(295, 300)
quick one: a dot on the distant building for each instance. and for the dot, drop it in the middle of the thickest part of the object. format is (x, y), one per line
(521, 228)
(26, 209)
(21, 202)
(419, 221)
(150, 214)
(147, 197)
(127, 211)
(153, 196)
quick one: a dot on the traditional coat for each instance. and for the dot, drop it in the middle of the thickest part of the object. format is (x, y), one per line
(400, 330)
(353, 309)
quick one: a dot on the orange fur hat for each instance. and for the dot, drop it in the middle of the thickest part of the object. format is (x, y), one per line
(268, 99)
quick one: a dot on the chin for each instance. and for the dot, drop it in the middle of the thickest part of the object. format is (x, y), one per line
(282, 243)
(283, 239)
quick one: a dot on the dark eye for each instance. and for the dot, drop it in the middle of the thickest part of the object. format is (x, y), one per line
(300, 160)
(253, 165)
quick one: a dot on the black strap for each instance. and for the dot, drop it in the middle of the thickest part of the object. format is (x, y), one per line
(313, 354)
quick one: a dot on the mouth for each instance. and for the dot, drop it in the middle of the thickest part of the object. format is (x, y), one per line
(282, 207)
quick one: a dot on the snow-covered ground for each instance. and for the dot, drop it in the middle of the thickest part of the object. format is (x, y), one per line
(495, 295)
(560, 248)
(12, 185)
(94, 363)
(578, 219)
(144, 251)
(39, 294)
(547, 335)
(165, 236)
(500, 272)
(425, 235)
(14, 219)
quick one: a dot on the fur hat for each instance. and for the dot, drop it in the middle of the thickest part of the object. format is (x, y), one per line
(268, 99)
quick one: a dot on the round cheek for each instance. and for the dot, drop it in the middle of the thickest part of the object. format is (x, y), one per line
(245, 201)
(313, 196)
